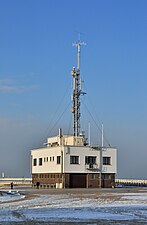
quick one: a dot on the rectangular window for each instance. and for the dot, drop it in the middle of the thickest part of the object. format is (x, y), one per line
(40, 161)
(74, 159)
(106, 160)
(50, 159)
(58, 159)
(35, 162)
(90, 160)
(93, 176)
(46, 159)
(53, 158)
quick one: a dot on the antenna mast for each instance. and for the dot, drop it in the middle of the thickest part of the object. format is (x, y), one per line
(76, 91)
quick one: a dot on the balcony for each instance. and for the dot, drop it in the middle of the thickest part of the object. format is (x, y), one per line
(92, 167)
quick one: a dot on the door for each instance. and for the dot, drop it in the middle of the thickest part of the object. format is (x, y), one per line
(77, 180)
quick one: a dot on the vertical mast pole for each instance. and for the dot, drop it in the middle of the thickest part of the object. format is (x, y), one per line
(101, 157)
(79, 48)
(76, 92)
(102, 136)
(89, 134)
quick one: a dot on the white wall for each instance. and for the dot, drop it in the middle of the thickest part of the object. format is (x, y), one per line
(50, 166)
(110, 152)
(53, 167)
(87, 151)
(77, 151)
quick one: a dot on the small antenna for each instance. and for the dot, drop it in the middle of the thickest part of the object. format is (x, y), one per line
(78, 45)
(102, 136)
(79, 35)
(89, 134)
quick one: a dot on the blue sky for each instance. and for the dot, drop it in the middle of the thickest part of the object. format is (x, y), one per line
(36, 57)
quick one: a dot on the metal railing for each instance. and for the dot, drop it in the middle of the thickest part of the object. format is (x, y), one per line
(17, 181)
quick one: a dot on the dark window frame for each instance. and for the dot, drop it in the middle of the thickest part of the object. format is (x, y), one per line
(58, 159)
(107, 160)
(35, 162)
(90, 160)
(40, 161)
(74, 159)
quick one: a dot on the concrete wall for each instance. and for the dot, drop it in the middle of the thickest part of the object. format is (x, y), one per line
(81, 152)
(110, 152)
(51, 166)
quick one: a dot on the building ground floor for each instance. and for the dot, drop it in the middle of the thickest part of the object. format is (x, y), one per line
(73, 180)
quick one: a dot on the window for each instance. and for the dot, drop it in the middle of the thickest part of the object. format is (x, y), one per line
(41, 176)
(53, 158)
(106, 176)
(58, 159)
(50, 159)
(90, 160)
(106, 160)
(58, 175)
(74, 159)
(40, 161)
(46, 159)
(35, 162)
(93, 176)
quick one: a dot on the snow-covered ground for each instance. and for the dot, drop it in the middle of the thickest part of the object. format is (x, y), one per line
(8, 196)
(76, 207)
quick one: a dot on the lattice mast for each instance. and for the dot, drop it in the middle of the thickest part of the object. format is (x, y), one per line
(77, 92)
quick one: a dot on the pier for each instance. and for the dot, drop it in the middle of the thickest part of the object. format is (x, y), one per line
(16, 181)
(131, 182)
(118, 182)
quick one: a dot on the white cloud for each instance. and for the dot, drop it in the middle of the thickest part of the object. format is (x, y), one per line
(10, 86)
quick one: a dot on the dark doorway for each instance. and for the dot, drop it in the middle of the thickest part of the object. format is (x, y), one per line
(77, 180)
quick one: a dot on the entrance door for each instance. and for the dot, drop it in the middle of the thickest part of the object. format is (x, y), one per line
(77, 180)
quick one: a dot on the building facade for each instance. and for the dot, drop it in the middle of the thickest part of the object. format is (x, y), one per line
(66, 162)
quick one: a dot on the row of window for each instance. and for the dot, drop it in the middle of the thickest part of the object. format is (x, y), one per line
(47, 175)
(40, 162)
(89, 160)
(47, 159)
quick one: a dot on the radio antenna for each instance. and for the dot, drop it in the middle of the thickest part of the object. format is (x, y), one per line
(77, 92)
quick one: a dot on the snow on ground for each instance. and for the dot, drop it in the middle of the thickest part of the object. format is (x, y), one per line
(75, 207)
(6, 196)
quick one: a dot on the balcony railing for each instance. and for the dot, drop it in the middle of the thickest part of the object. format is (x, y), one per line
(92, 167)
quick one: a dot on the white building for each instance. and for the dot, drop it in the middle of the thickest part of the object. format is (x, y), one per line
(66, 165)
(67, 161)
